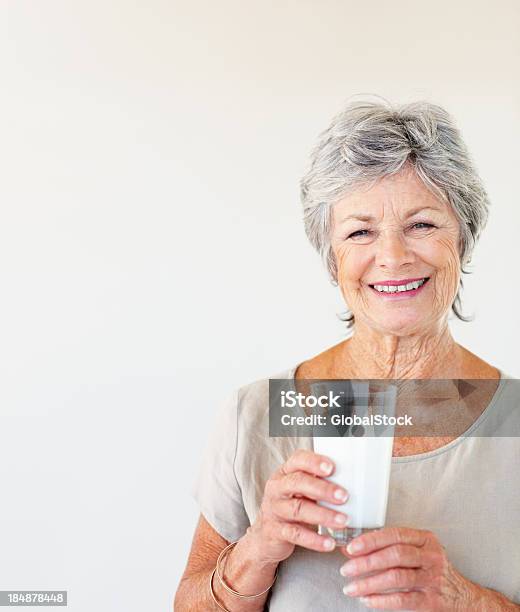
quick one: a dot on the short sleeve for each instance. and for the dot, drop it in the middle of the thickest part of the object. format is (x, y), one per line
(216, 488)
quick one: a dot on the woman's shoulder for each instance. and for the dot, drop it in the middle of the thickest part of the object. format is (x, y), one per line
(257, 390)
(321, 366)
(314, 367)
(476, 367)
(260, 384)
(324, 365)
(251, 401)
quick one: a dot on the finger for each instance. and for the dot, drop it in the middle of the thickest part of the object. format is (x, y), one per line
(380, 538)
(395, 601)
(399, 555)
(300, 483)
(397, 578)
(301, 536)
(303, 510)
(303, 460)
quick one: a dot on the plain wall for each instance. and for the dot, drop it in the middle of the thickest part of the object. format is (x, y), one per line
(152, 251)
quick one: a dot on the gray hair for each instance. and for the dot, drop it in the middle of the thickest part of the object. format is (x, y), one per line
(369, 140)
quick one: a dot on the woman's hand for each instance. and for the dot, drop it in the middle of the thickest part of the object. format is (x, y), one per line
(290, 504)
(414, 563)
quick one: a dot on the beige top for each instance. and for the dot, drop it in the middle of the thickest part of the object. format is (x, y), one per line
(466, 492)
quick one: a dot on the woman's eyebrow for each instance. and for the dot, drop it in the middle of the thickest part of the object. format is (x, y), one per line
(410, 213)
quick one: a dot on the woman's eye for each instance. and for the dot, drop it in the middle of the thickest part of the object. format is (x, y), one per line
(420, 225)
(424, 225)
(359, 233)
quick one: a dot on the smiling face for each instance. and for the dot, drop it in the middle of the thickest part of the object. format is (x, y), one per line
(391, 235)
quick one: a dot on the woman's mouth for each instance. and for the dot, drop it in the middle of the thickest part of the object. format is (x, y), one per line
(397, 290)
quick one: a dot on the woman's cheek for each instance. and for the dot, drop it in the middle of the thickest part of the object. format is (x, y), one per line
(351, 269)
(447, 274)
(341, 254)
(345, 269)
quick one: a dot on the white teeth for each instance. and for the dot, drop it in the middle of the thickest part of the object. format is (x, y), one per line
(399, 288)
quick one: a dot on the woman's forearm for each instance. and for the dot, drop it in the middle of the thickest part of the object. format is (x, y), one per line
(243, 572)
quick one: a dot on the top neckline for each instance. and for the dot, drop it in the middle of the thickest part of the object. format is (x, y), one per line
(454, 443)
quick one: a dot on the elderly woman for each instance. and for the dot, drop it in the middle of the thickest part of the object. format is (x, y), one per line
(395, 207)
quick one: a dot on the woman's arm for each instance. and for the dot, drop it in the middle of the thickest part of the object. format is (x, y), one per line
(289, 505)
(242, 572)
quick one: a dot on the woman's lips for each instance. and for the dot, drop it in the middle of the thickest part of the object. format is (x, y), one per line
(400, 295)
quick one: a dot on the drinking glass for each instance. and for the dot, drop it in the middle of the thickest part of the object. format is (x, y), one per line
(362, 455)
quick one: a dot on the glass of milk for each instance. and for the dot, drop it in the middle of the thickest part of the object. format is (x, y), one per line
(362, 455)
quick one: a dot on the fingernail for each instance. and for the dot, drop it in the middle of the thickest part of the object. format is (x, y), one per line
(325, 467)
(340, 495)
(349, 569)
(355, 547)
(328, 544)
(341, 519)
(350, 588)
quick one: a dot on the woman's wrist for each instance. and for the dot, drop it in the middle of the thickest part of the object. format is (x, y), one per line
(243, 571)
(488, 600)
(244, 564)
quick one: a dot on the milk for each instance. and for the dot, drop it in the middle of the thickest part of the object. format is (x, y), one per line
(362, 458)
(363, 469)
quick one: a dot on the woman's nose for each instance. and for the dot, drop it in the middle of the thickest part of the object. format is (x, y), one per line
(392, 250)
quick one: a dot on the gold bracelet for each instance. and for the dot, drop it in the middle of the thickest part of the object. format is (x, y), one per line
(212, 593)
(221, 558)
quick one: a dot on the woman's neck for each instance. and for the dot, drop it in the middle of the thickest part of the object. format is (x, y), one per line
(435, 354)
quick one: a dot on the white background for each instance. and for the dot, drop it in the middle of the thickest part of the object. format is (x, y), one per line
(153, 256)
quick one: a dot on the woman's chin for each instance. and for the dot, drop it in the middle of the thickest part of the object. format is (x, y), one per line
(400, 323)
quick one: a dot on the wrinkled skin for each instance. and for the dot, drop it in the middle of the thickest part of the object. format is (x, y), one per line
(405, 338)
(413, 563)
(395, 246)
